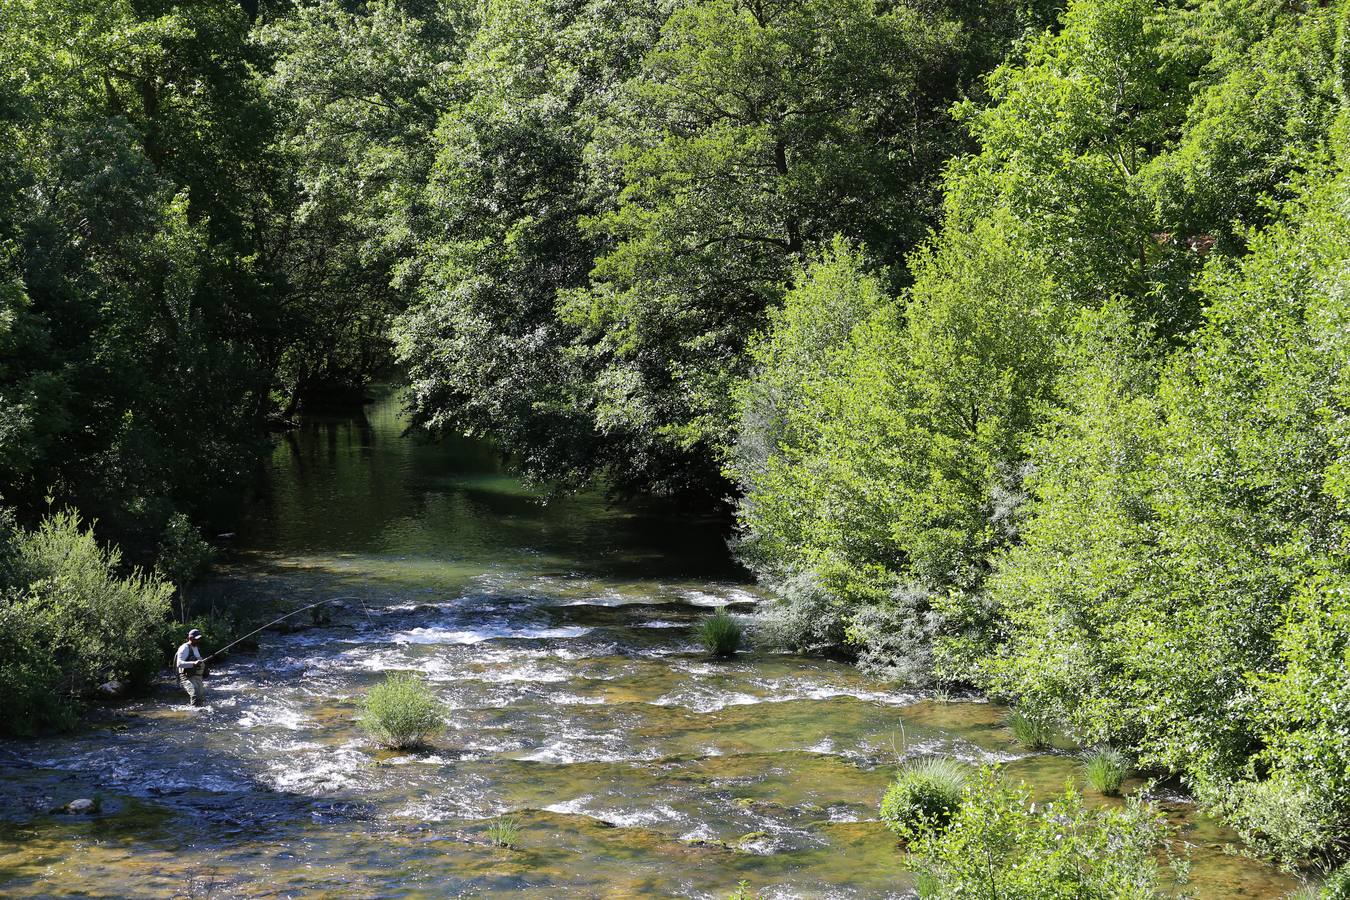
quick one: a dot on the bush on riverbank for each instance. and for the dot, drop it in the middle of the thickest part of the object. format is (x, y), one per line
(1001, 844)
(70, 622)
(401, 714)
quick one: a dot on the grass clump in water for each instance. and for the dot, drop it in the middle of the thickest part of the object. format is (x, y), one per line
(720, 635)
(1105, 770)
(504, 833)
(924, 796)
(401, 713)
(1030, 732)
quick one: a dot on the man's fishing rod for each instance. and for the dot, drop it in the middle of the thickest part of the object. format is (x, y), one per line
(275, 621)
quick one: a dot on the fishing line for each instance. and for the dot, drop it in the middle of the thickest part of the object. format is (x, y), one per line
(240, 640)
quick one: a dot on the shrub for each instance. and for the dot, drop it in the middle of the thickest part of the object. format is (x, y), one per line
(720, 634)
(1337, 885)
(802, 617)
(1000, 844)
(1300, 720)
(1105, 770)
(68, 623)
(895, 638)
(1278, 816)
(1029, 731)
(925, 795)
(401, 714)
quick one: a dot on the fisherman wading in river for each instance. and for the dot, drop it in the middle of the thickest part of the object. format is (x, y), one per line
(191, 667)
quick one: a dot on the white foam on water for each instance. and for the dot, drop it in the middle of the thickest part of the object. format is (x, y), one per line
(703, 598)
(574, 807)
(311, 769)
(701, 832)
(529, 673)
(564, 751)
(274, 714)
(575, 700)
(412, 759)
(657, 814)
(479, 635)
(662, 623)
(889, 698)
(711, 703)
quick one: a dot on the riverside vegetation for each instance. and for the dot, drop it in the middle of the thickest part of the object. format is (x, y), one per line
(1015, 332)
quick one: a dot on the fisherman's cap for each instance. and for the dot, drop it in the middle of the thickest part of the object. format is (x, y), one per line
(194, 633)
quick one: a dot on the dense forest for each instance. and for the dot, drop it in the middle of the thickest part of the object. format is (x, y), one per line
(1014, 334)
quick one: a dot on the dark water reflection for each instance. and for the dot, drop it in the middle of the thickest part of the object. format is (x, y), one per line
(561, 637)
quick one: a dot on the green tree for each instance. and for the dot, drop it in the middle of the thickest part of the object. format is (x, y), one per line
(357, 92)
(483, 344)
(753, 132)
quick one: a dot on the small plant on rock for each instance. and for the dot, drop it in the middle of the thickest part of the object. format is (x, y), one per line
(743, 892)
(503, 833)
(720, 635)
(925, 795)
(1105, 770)
(401, 713)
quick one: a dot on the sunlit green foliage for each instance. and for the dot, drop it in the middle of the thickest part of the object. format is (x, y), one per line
(400, 712)
(70, 621)
(752, 133)
(1001, 844)
(1094, 457)
(924, 796)
(357, 91)
(504, 833)
(1029, 730)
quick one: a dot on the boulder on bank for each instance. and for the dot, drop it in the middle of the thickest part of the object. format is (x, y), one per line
(112, 690)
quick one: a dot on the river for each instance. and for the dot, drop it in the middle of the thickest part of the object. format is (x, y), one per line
(561, 638)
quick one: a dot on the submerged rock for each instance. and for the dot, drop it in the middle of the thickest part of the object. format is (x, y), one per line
(81, 807)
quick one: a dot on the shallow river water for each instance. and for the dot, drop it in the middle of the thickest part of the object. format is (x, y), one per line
(561, 638)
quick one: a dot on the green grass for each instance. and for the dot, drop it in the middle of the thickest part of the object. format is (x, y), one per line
(925, 794)
(720, 635)
(1105, 770)
(1029, 732)
(401, 713)
(504, 833)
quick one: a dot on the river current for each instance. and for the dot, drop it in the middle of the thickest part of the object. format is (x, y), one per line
(561, 638)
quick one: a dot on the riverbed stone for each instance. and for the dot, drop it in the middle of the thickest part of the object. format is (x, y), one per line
(82, 807)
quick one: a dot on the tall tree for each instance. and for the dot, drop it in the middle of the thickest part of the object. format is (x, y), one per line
(754, 131)
(483, 344)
